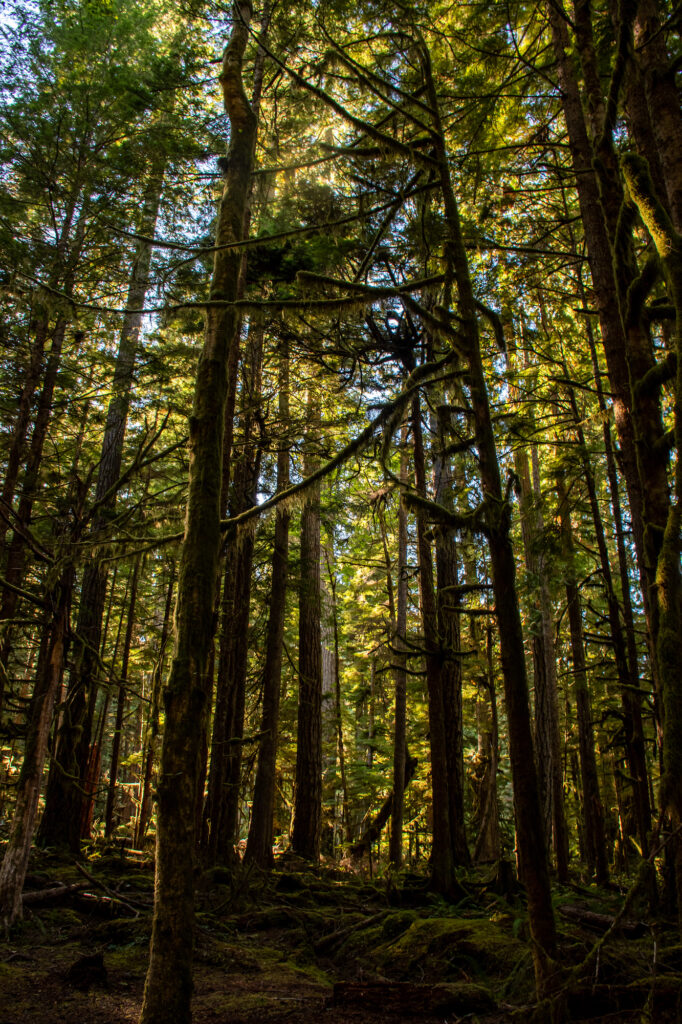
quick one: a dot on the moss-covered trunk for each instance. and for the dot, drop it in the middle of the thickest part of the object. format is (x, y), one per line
(668, 576)
(168, 987)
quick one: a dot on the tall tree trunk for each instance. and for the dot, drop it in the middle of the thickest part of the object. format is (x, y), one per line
(221, 812)
(338, 712)
(16, 557)
(305, 835)
(63, 811)
(395, 851)
(626, 343)
(593, 809)
(259, 843)
(61, 276)
(487, 809)
(21, 424)
(168, 987)
(153, 721)
(628, 683)
(443, 876)
(15, 861)
(545, 685)
(663, 100)
(120, 703)
(530, 834)
(668, 576)
(448, 591)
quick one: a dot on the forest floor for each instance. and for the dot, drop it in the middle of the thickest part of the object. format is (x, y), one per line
(326, 947)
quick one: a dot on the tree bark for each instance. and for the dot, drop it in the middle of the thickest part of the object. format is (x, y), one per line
(530, 834)
(168, 986)
(259, 843)
(120, 703)
(153, 721)
(593, 808)
(443, 876)
(305, 836)
(395, 850)
(15, 861)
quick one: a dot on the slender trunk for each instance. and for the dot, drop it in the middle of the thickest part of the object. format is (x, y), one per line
(545, 685)
(628, 683)
(221, 812)
(64, 798)
(530, 834)
(21, 424)
(16, 558)
(443, 877)
(92, 774)
(593, 808)
(487, 810)
(15, 861)
(395, 851)
(259, 844)
(338, 711)
(153, 721)
(448, 591)
(305, 836)
(120, 703)
(668, 576)
(60, 277)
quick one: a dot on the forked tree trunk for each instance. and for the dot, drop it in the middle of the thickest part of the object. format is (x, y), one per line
(168, 987)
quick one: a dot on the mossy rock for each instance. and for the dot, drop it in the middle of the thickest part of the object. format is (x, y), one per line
(440, 947)
(398, 922)
(360, 942)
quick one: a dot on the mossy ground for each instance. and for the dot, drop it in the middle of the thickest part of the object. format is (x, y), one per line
(271, 948)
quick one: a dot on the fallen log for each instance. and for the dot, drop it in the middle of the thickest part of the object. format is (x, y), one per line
(54, 892)
(600, 923)
(402, 997)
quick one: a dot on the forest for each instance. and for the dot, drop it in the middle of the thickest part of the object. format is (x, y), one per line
(340, 511)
